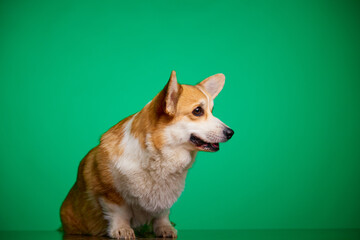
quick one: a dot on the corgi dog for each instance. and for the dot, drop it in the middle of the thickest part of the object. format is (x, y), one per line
(138, 170)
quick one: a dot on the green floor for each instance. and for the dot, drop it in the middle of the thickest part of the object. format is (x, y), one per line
(330, 234)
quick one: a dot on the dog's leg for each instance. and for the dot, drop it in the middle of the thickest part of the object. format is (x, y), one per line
(162, 226)
(118, 217)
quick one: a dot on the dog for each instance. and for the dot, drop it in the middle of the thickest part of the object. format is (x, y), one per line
(138, 170)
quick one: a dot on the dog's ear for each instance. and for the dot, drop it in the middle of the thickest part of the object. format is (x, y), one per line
(213, 84)
(172, 92)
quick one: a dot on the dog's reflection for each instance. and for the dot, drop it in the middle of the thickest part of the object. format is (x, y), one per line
(88, 237)
(83, 237)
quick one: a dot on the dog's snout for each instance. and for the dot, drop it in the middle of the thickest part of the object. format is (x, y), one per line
(228, 132)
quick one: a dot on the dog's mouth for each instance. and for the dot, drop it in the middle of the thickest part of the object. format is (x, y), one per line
(204, 146)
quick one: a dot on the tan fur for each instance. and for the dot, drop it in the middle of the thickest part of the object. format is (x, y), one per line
(138, 170)
(190, 99)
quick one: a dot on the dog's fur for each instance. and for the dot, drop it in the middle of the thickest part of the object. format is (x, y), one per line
(138, 170)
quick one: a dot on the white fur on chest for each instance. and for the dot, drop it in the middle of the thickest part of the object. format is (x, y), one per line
(147, 179)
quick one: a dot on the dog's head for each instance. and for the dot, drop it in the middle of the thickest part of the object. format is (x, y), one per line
(190, 108)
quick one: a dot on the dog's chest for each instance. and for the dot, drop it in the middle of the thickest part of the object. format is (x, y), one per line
(153, 183)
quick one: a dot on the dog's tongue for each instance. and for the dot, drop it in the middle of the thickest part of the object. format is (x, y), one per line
(212, 146)
(215, 145)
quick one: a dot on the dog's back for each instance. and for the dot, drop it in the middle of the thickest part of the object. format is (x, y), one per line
(81, 212)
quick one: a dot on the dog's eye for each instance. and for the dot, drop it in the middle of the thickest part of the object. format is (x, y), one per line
(198, 111)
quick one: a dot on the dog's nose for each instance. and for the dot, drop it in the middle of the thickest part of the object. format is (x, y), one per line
(228, 132)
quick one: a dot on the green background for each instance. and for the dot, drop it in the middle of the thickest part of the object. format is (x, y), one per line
(69, 70)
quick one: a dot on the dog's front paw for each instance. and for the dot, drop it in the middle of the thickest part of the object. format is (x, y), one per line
(122, 232)
(166, 231)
